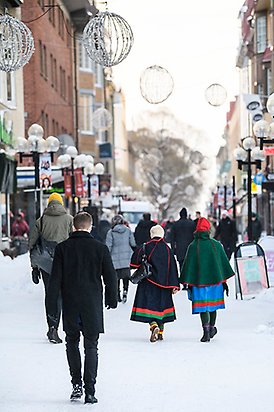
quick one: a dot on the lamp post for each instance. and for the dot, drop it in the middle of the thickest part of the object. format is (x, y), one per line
(91, 170)
(69, 162)
(120, 192)
(33, 147)
(249, 155)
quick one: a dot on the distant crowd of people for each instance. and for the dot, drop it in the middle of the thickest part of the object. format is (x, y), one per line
(182, 254)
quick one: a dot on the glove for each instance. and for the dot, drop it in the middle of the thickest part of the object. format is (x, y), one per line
(225, 288)
(36, 276)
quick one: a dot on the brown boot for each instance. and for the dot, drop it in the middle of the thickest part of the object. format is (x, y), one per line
(154, 328)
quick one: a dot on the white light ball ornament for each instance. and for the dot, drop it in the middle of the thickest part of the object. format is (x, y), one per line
(156, 84)
(215, 94)
(16, 44)
(102, 119)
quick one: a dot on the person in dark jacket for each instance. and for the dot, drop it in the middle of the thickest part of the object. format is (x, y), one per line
(121, 242)
(167, 228)
(142, 231)
(20, 227)
(79, 265)
(182, 235)
(56, 226)
(153, 301)
(256, 227)
(226, 233)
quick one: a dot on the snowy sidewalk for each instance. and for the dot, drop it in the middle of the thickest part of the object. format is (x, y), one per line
(233, 373)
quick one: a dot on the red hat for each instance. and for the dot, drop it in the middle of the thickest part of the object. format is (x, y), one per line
(203, 225)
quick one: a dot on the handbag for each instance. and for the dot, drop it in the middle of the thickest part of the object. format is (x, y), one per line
(41, 255)
(143, 271)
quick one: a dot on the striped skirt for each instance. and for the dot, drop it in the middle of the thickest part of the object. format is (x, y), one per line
(153, 304)
(207, 298)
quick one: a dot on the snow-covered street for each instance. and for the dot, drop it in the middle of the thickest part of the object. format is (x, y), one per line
(232, 373)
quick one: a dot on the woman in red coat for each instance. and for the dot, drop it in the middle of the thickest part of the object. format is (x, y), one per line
(153, 302)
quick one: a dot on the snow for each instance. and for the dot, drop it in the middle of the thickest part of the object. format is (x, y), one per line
(234, 372)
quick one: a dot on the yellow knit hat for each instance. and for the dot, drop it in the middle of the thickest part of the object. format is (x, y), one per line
(57, 197)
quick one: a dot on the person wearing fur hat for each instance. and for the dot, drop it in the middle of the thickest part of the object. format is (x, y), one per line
(153, 303)
(55, 225)
(205, 271)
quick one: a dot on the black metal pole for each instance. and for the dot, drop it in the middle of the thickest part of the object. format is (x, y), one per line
(234, 196)
(73, 195)
(89, 192)
(225, 195)
(249, 197)
(37, 192)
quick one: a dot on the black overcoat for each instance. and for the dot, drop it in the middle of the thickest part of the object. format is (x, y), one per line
(181, 235)
(79, 265)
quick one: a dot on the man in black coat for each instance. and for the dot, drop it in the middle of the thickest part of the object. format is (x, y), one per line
(142, 231)
(79, 265)
(181, 235)
(226, 233)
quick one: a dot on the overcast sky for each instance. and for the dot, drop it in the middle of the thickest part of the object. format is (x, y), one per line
(196, 41)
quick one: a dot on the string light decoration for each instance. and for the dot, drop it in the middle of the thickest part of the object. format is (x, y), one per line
(107, 38)
(102, 119)
(16, 43)
(215, 94)
(156, 84)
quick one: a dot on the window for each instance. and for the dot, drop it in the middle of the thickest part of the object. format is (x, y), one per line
(41, 57)
(99, 75)
(10, 88)
(261, 34)
(51, 70)
(41, 3)
(60, 23)
(62, 76)
(85, 62)
(51, 12)
(55, 74)
(86, 112)
(70, 91)
(268, 75)
(43, 60)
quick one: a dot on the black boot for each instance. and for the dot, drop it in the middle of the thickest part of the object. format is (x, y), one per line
(206, 335)
(124, 296)
(77, 392)
(53, 335)
(90, 398)
(213, 331)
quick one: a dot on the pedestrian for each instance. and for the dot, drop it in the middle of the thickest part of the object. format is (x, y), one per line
(168, 227)
(54, 225)
(153, 303)
(197, 217)
(256, 227)
(142, 230)
(182, 235)
(20, 226)
(120, 242)
(205, 271)
(212, 221)
(79, 265)
(226, 233)
(103, 227)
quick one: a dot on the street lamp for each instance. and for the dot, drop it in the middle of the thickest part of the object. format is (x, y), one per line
(121, 192)
(69, 162)
(90, 170)
(249, 155)
(33, 147)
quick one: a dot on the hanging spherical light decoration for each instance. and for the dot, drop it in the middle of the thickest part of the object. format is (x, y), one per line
(16, 44)
(107, 38)
(102, 119)
(196, 157)
(215, 94)
(156, 84)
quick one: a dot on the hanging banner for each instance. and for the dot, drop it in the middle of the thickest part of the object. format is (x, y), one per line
(94, 187)
(104, 183)
(67, 183)
(45, 170)
(221, 196)
(78, 179)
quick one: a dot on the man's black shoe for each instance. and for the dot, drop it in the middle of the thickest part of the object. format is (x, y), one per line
(90, 398)
(76, 393)
(53, 335)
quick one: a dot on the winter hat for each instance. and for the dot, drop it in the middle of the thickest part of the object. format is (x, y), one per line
(225, 212)
(157, 231)
(203, 225)
(117, 220)
(183, 212)
(57, 197)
